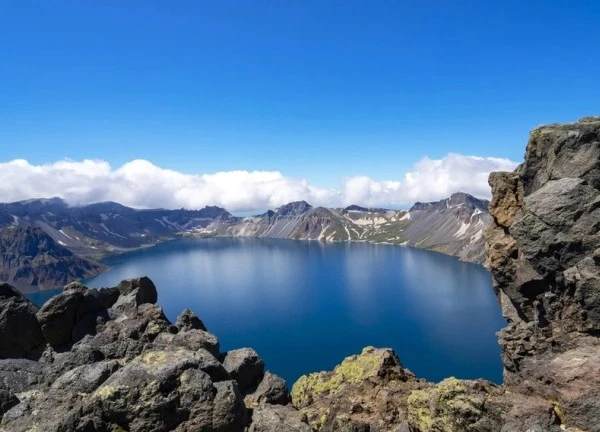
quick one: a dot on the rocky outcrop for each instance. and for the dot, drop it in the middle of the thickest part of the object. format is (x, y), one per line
(20, 331)
(544, 254)
(109, 360)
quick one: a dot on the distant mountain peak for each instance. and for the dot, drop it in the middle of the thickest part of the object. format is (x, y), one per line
(295, 208)
(456, 199)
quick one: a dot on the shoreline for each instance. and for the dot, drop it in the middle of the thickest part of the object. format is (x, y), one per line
(118, 252)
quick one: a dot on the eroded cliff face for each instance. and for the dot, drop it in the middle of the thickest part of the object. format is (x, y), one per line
(544, 255)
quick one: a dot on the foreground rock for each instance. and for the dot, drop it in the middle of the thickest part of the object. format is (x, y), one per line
(20, 332)
(113, 362)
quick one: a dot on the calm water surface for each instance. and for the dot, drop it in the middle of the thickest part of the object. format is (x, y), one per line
(304, 306)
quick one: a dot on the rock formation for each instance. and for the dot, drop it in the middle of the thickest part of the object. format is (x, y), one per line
(544, 254)
(109, 360)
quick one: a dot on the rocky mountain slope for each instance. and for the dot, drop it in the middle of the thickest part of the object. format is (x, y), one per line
(453, 226)
(31, 259)
(108, 360)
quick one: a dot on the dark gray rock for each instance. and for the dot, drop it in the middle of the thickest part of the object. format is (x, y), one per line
(187, 320)
(229, 411)
(72, 314)
(278, 418)
(246, 367)
(146, 291)
(20, 332)
(544, 255)
(193, 340)
(86, 378)
(7, 401)
(271, 390)
(17, 375)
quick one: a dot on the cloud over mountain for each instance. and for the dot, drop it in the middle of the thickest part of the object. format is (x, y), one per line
(142, 184)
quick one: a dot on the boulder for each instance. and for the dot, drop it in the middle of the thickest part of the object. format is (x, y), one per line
(271, 390)
(278, 418)
(151, 393)
(146, 291)
(193, 340)
(187, 320)
(20, 332)
(70, 315)
(245, 367)
(366, 392)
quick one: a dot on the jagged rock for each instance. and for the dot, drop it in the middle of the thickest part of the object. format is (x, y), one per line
(192, 339)
(20, 333)
(229, 412)
(544, 255)
(187, 320)
(17, 375)
(454, 405)
(86, 378)
(271, 390)
(278, 418)
(133, 293)
(7, 401)
(368, 392)
(70, 315)
(246, 367)
(146, 291)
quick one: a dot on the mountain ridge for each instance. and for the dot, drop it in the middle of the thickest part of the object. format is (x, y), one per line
(452, 226)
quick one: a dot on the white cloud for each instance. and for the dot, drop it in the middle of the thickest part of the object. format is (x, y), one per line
(142, 184)
(430, 180)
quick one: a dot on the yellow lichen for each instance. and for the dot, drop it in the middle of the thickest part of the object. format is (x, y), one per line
(558, 410)
(447, 406)
(155, 358)
(108, 392)
(419, 411)
(352, 370)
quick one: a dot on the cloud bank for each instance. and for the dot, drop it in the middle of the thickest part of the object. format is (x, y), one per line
(142, 184)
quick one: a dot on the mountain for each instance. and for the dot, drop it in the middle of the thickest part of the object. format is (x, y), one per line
(109, 360)
(453, 226)
(31, 259)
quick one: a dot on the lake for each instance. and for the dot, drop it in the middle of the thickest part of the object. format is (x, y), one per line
(305, 305)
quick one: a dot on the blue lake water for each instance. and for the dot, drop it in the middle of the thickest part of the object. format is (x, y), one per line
(304, 306)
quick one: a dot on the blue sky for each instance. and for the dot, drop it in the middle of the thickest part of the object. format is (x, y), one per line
(318, 90)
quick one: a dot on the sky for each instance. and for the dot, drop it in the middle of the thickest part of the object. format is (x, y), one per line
(250, 104)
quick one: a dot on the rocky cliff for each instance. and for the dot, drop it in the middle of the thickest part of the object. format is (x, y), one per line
(544, 254)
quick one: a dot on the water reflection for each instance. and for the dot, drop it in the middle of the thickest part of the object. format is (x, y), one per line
(306, 305)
